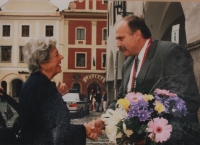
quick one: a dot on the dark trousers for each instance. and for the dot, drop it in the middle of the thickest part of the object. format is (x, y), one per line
(97, 106)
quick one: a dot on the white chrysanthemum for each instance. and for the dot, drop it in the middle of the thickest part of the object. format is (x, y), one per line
(111, 118)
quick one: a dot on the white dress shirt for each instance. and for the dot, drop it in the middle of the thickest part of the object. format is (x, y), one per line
(140, 57)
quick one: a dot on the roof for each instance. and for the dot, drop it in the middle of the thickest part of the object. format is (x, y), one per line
(28, 6)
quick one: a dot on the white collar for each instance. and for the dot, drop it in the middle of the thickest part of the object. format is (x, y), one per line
(142, 51)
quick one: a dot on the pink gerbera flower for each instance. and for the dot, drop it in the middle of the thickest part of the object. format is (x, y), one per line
(159, 129)
(164, 92)
(134, 97)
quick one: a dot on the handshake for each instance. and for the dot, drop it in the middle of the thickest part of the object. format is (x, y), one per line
(94, 129)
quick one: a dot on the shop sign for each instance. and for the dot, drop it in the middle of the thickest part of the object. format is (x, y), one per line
(94, 76)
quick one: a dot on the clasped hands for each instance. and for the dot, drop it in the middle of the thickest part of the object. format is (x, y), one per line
(94, 129)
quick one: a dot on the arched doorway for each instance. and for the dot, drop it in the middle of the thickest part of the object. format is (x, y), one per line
(16, 86)
(161, 16)
(95, 86)
(76, 86)
(180, 19)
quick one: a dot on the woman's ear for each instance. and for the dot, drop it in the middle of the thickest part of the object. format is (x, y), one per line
(43, 67)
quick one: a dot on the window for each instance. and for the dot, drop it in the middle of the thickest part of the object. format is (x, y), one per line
(21, 56)
(104, 34)
(5, 53)
(80, 34)
(80, 60)
(49, 31)
(76, 86)
(105, 1)
(104, 60)
(25, 31)
(6, 30)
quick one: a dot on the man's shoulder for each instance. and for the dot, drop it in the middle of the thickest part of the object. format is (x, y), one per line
(165, 47)
(167, 44)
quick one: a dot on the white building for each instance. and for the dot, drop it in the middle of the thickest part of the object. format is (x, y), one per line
(19, 21)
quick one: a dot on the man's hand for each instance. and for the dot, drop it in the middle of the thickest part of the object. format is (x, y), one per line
(62, 88)
(94, 129)
(1, 91)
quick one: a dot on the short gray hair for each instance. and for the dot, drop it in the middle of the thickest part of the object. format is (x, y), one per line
(37, 51)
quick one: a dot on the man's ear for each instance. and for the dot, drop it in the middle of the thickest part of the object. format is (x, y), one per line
(138, 33)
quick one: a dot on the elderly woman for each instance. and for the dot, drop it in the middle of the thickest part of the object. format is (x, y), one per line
(44, 117)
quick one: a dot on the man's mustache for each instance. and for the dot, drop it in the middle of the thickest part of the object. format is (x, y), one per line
(122, 48)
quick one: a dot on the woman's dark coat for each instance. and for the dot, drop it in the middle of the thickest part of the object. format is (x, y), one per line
(44, 116)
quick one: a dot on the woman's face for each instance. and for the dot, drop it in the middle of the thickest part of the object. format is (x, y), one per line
(53, 66)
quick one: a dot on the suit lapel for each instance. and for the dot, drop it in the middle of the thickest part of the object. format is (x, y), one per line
(147, 62)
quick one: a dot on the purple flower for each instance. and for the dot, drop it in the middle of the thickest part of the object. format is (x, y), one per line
(133, 111)
(144, 115)
(142, 104)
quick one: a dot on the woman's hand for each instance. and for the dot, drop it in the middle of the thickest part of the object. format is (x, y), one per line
(62, 88)
(94, 129)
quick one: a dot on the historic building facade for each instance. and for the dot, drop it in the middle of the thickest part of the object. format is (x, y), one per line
(19, 21)
(164, 19)
(85, 40)
(81, 34)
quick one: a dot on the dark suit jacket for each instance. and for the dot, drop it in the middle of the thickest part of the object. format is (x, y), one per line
(44, 117)
(167, 66)
(98, 97)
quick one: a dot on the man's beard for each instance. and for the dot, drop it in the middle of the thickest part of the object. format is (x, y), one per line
(122, 48)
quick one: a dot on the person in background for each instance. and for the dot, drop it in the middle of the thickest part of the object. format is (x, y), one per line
(98, 100)
(90, 98)
(44, 117)
(104, 100)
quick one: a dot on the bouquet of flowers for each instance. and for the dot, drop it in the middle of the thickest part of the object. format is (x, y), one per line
(141, 117)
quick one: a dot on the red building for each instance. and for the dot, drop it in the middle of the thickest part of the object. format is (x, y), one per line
(84, 37)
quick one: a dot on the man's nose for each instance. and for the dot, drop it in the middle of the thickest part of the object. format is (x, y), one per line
(119, 43)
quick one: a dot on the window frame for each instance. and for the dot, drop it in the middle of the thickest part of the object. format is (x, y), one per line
(21, 54)
(80, 28)
(102, 60)
(3, 30)
(6, 61)
(76, 53)
(105, 2)
(25, 31)
(48, 30)
(104, 35)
